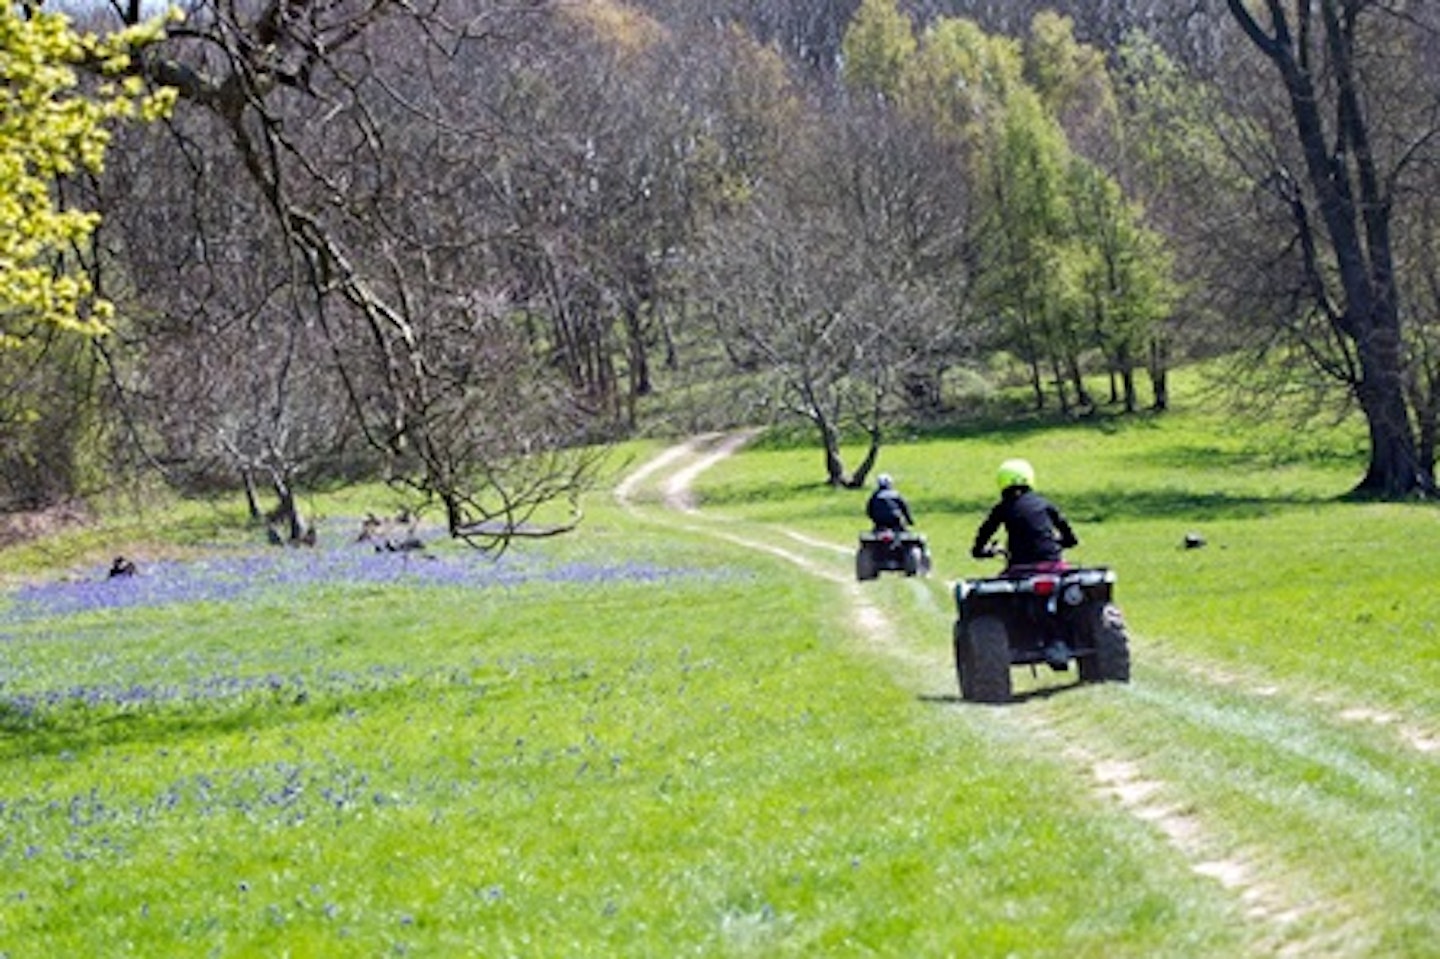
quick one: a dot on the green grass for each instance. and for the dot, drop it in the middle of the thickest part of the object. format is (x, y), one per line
(549, 771)
(725, 762)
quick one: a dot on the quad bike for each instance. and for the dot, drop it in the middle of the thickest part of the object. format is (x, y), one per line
(893, 550)
(1029, 618)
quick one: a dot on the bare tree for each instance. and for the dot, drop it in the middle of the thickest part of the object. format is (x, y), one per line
(356, 254)
(220, 355)
(844, 282)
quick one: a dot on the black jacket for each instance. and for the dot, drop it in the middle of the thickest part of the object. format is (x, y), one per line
(887, 509)
(1037, 532)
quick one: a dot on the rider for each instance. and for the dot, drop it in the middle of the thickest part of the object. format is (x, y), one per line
(1036, 530)
(887, 509)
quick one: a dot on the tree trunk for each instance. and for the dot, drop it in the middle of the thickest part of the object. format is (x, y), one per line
(1083, 399)
(1425, 401)
(1395, 469)
(857, 479)
(454, 513)
(252, 498)
(1062, 393)
(287, 511)
(830, 438)
(1159, 370)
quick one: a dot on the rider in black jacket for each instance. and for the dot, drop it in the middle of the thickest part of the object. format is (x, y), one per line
(887, 509)
(1036, 530)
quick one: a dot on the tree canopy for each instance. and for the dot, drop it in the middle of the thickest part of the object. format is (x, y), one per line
(455, 244)
(53, 126)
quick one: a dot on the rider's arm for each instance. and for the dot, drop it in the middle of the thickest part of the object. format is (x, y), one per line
(982, 536)
(1062, 527)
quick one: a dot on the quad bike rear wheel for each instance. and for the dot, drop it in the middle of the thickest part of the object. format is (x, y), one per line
(1110, 663)
(982, 660)
(914, 561)
(865, 567)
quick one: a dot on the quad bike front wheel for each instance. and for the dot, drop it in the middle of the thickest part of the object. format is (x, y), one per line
(1110, 663)
(982, 660)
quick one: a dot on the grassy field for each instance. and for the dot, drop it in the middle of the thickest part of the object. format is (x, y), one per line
(691, 733)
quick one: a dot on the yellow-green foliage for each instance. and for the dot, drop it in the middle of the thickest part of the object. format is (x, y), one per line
(878, 47)
(51, 127)
(625, 29)
(1070, 262)
(1071, 77)
(962, 76)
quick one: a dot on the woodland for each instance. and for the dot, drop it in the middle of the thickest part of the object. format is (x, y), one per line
(464, 245)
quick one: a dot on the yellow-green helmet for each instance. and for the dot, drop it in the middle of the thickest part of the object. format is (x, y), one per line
(1015, 473)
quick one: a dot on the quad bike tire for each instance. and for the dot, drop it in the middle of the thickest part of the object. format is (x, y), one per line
(982, 660)
(914, 561)
(1110, 663)
(865, 567)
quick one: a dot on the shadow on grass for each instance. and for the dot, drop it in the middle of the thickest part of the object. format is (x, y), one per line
(74, 730)
(1098, 506)
(1086, 506)
(1003, 423)
(1045, 692)
(1263, 454)
(1014, 426)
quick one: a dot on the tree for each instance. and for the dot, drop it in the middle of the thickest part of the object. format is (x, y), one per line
(51, 127)
(362, 141)
(878, 48)
(597, 180)
(839, 282)
(1064, 265)
(1340, 199)
(1120, 277)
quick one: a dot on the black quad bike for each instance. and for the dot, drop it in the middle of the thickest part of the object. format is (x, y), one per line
(891, 550)
(1034, 618)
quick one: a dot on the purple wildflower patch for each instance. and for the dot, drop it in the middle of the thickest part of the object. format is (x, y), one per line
(109, 674)
(295, 690)
(233, 578)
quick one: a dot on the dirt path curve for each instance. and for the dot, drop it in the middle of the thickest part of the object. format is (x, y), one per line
(1115, 778)
(679, 465)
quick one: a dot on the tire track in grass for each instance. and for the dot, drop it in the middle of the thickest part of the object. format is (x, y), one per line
(1277, 756)
(1245, 874)
(1413, 733)
(1264, 902)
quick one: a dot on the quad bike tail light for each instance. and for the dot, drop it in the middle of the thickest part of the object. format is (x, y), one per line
(1044, 585)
